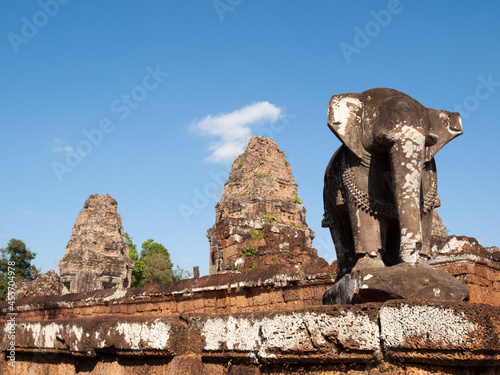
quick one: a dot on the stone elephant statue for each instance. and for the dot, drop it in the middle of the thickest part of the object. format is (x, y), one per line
(380, 185)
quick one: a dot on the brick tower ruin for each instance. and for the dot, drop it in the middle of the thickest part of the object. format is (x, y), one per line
(97, 255)
(260, 219)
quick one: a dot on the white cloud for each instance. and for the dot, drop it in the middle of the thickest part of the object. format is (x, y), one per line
(59, 145)
(229, 132)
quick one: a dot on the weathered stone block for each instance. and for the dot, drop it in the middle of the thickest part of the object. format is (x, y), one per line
(269, 337)
(440, 332)
(401, 281)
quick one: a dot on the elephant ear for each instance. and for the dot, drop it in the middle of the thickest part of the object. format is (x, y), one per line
(345, 114)
(443, 127)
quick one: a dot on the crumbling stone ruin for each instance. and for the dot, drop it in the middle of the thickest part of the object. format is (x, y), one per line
(260, 219)
(97, 255)
(438, 228)
(476, 266)
(48, 284)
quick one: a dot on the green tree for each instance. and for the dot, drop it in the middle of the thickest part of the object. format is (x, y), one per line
(157, 263)
(3, 278)
(154, 265)
(138, 271)
(19, 257)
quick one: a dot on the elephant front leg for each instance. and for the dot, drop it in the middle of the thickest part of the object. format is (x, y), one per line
(367, 238)
(407, 161)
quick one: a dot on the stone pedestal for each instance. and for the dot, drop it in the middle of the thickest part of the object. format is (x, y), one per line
(402, 281)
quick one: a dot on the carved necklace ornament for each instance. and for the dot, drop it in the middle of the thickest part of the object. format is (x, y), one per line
(374, 205)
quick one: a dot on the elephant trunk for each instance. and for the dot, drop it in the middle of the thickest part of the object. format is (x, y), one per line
(407, 162)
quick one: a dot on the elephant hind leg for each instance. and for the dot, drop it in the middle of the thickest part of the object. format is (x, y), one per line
(344, 246)
(341, 233)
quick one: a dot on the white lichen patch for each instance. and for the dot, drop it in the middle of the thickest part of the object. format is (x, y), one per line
(283, 245)
(118, 294)
(49, 334)
(284, 333)
(344, 109)
(131, 333)
(44, 336)
(232, 333)
(78, 333)
(349, 328)
(157, 335)
(409, 239)
(411, 184)
(409, 143)
(422, 324)
(454, 245)
(152, 336)
(289, 333)
(237, 238)
(101, 342)
(35, 329)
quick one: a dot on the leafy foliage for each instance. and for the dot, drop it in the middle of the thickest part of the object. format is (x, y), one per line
(240, 163)
(249, 251)
(285, 156)
(271, 218)
(17, 253)
(256, 233)
(153, 266)
(138, 271)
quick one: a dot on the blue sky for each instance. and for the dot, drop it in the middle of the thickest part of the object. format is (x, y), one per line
(136, 99)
